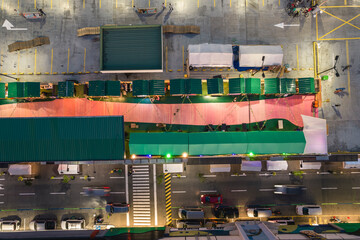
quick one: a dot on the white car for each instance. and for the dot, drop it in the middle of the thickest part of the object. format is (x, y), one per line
(73, 224)
(308, 210)
(9, 225)
(42, 225)
(259, 212)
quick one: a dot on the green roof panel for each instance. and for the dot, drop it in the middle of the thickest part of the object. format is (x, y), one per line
(193, 86)
(177, 87)
(2, 90)
(112, 88)
(236, 85)
(287, 85)
(66, 89)
(97, 88)
(32, 89)
(272, 85)
(157, 87)
(215, 86)
(16, 89)
(306, 85)
(252, 85)
(141, 87)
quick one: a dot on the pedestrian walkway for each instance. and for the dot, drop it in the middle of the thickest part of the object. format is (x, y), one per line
(141, 207)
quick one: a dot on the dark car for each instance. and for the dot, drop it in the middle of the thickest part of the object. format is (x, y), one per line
(288, 189)
(117, 208)
(225, 212)
(97, 191)
(211, 198)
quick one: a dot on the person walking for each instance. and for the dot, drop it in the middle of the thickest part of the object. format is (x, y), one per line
(163, 6)
(171, 7)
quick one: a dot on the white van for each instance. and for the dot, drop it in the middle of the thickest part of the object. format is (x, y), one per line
(259, 212)
(9, 225)
(191, 213)
(73, 224)
(308, 210)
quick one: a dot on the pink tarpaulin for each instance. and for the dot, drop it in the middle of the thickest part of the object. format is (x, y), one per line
(231, 113)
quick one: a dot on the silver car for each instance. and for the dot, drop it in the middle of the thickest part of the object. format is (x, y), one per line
(73, 224)
(9, 225)
(42, 225)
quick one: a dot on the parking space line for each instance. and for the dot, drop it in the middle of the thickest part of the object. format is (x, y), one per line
(178, 191)
(209, 175)
(26, 194)
(87, 177)
(355, 188)
(348, 63)
(83, 3)
(204, 191)
(329, 188)
(117, 177)
(238, 175)
(266, 190)
(242, 190)
(58, 193)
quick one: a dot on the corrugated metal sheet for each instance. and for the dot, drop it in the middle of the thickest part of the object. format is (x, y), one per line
(236, 85)
(140, 87)
(112, 88)
(252, 85)
(287, 85)
(157, 87)
(62, 139)
(32, 89)
(97, 88)
(272, 85)
(215, 86)
(2, 90)
(193, 86)
(306, 85)
(185, 86)
(21, 89)
(66, 89)
(177, 86)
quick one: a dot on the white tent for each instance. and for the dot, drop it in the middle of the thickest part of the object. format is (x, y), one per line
(251, 56)
(20, 169)
(253, 166)
(315, 135)
(68, 169)
(210, 55)
(214, 168)
(310, 165)
(277, 165)
(173, 168)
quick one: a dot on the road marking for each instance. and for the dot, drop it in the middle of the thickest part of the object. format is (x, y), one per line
(142, 218)
(2, 179)
(87, 177)
(355, 188)
(178, 191)
(324, 173)
(140, 221)
(52, 57)
(136, 206)
(266, 190)
(141, 224)
(1, 202)
(138, 197)
(140, 166)
(117, 192)
(127, 194)
(238, 175)
(329, 188)
(26, 194)
(141, 184)
(141, 179)
(155, 196)
(144, 187)
(68, 60)
(208, 191)
(58, 193)
(56, 178)
(140, 193)
(179, 176)
(348, 63)
(355, 172)
(141, 209)
(117, 177)
(242, 190)
(140, 175)
(139, 212)
(209, 175)
(135, 182)
(141, 215)
(1, 195)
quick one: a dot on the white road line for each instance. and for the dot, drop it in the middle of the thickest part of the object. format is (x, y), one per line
(141, 215)
(266, 190)
(178, 191)
(140, 212)
(209, 175)
(117, 192)
(26, 194)
(56, 178)
(1, 202)
(138, 197)
(155, 196)
(139, 175)
(141, 224)
(2, 179)
(118, 177)
(141, 205)
(141, 194)
(145, 187)
(179, 176)
(127, 194)
(141, 201)
(141, 209)
(58, 193)
(324, 173)
(208, 191)
(355, 172)
(355, 188)
(1, 188)
(141, 191)
(87, 177)
(142, 218)
(141, 184)
(242, 190)
(329, 188)
(141, 178)
(1, 195)
(140, 166)
(238, 175)
(141, 172)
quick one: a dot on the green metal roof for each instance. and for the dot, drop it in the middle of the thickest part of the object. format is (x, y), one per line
(112, 88)
(236, 85)
(62, 139)
(157, 87)
(215, 86)
(2, 90)
(306, 85)
(217, 143)
(287, 85)
(177, 86)
(23, 89)
(253, 85)
(97, 88)
(185, 86)
(272, 85)
(140, 87)
(131, 48)
(66, 89)
(158, 143)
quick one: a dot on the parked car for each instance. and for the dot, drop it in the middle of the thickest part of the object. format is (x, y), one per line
(288, 189)
(225, 212)
(73, 224)
(211, 198)
(191, 213)
(189, 224)
(259, 212)
(282, 221)
(97, 191)
(308, 210)
(42, 225)
(9, 225)
(117, 208)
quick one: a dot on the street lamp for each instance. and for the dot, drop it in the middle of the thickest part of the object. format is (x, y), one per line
(333, 68)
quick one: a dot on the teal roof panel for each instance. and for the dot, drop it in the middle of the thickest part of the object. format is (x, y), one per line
(66, 89)
(287, 85)
(215, 86)
(306, 85)
(272, 85)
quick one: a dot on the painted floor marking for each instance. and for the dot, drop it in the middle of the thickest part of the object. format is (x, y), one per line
(241, 190)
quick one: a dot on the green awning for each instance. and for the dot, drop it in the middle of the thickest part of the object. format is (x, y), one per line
(97, 88)
(66, 89)
(272, 86)
(2, 90)
(185, 86)
(287, 85)
(23, 89)
(252, 85)
(158, 143)
(140, 87)
(112, 88)
(157, 87)
(236, 85)
(306, 85)
(215, 86)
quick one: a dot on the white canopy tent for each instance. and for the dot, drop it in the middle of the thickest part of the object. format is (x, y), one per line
(214, 168)
(277, 165)
(68, 169)
(20, 169)
(315, 135)
(173, 168)
(251, 56)
(210, 55)
(310, 165)
(252, 166)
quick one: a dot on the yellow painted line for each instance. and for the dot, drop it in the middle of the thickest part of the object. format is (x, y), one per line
(309, 221)
(198, 3)
(340, 19)
(314, 55)
(116, 4)
(336, 39)
(84, 58)
(35, 4)
(149, 3)
(214, 3)
(317, 28)
(339, 6)
(230, 3)
(2, 4)
(317, 61)
(83, 3)
(183, 58)
(297, 56)
(166, 58)
(52, 57)
(132, 3)
(263, 2)
(68, 59)
(51, 4)
(18, 61)
(100, 3)
(340, 26)
(279, 2)
(68, 4)
(348, 63)
(35, 60)
(165, 3)
(1, 60)
(18, 4)
(344, 2)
